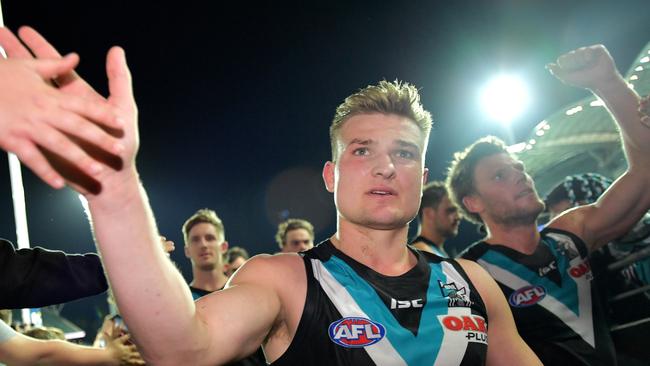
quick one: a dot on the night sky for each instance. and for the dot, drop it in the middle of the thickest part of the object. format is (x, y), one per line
(235, 100)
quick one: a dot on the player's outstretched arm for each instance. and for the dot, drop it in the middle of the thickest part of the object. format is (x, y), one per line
(623, 204)
(18, 349)
(152, 296)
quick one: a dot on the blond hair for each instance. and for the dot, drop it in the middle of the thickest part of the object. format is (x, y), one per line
(292, 224)
(204, 215)
(398, 98)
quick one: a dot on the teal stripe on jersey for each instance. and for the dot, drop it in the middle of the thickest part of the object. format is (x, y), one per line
(411, 348)
(567, 293)
(438, 252)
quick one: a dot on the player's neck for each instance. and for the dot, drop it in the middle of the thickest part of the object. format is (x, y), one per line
(523, 238)
(382, 250)
(433, 235)
(209, 280)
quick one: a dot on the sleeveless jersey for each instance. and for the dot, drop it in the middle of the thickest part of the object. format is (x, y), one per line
(430, 315)
(552, 298)
(438, 251)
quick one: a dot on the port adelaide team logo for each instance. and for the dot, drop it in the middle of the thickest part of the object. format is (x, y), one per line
(527, 296)
(353, 332)
(456, 296)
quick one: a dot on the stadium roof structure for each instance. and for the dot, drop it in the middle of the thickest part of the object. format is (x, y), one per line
(580, 138)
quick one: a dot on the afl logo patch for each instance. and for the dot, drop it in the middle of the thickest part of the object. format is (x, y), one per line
(527, 296)
(355, 332)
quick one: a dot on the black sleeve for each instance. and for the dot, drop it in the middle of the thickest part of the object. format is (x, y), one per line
(38, 277)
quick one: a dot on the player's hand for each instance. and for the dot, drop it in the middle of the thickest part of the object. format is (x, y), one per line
(123, 129)
(122, 351)
(587, 67)
(35, 117)
(167, 245)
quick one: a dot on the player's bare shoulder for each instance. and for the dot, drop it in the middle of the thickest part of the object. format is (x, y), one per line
(480, 278)
(574, 220)
(278, 270)
(284, 274)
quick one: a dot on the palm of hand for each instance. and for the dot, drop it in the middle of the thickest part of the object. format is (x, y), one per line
(70, 83)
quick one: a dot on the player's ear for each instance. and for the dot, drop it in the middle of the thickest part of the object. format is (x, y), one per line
(329, 175)
(473, 204)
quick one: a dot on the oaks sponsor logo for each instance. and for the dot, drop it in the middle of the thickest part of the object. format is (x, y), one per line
(527, 296)
(474, 326)
(353, 332)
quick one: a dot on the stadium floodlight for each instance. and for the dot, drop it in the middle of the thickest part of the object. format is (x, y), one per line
(504, 98)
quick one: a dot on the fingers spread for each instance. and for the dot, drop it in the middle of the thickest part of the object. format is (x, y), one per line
(37, 43)
(119, 78)
(43, 49)
(29, 155)
(53, 140)
(51, 68)
(12, 45)
(96, 110)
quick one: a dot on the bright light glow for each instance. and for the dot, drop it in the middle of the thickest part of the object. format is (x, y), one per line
(504, 98)
(638, 68)
(573, 110)
(547, 127)
(541, 125)
(539, 133)
(532, 141)
(597, 103)
(634, 77)
(644, 59)
(513, 149)
(528, 147)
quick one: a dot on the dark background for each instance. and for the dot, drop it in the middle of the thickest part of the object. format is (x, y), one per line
(235, 99)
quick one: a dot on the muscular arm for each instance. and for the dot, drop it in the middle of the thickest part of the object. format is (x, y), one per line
(37, 277)
(505, 346)
(152, 296)
(623, 204)
(155, 302)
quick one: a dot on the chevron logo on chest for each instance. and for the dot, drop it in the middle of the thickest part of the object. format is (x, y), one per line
(570, 301)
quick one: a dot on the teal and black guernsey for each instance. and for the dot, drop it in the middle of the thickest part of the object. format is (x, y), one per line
(434, 247)
(552, 298)
(430, 315)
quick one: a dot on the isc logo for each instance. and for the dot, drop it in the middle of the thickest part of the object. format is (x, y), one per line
(355, 332)
(405, 304)
(527, 296)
